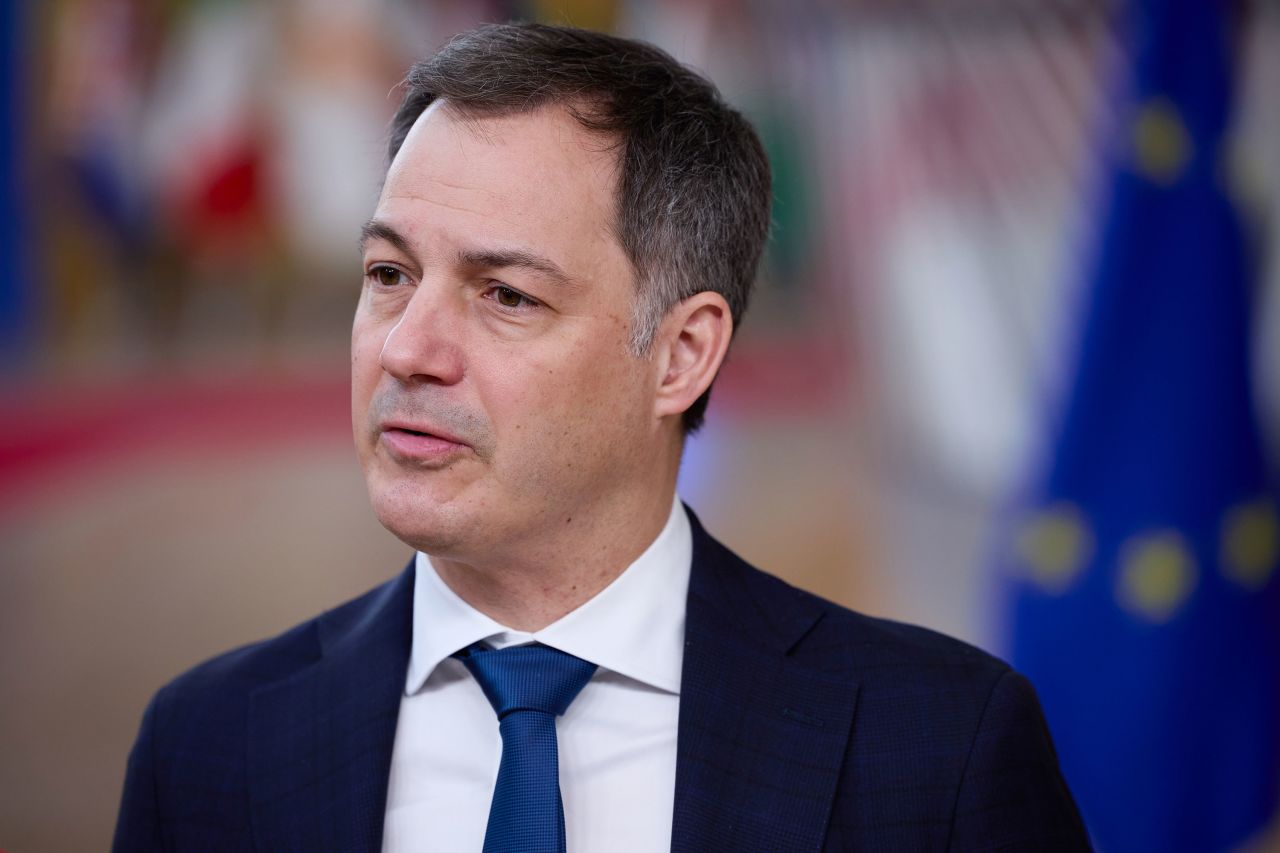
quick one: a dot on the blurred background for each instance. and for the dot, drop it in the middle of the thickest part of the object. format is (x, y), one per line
(1013, 370)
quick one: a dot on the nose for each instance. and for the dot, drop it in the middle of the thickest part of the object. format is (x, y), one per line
(424, 346)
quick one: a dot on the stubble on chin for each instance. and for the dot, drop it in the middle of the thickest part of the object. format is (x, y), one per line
(414, 512)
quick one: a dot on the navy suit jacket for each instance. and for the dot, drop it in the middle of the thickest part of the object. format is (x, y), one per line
(803, 726)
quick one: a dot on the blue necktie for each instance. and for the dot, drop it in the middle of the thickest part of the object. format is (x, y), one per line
(528, 686)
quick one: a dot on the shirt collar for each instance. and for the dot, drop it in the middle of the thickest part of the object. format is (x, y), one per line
(634, 626)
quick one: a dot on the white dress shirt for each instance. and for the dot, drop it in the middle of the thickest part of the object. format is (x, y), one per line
(617, 741)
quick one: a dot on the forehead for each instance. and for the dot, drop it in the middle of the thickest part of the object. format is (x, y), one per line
(536, 178)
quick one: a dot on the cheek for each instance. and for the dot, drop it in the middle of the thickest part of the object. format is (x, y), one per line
(366, 371)
(580, 404)
(571, 396)
(367, 338)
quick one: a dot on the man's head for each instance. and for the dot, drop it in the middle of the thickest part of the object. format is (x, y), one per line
(567, 233)
(693, 196)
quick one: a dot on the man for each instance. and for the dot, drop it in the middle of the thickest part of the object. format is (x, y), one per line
(566, 238)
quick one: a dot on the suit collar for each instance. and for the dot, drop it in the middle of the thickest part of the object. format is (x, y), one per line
(763, 730)
(734, 600)
(320, 741)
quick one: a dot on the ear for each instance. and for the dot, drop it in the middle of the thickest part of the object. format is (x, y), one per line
(692, 343)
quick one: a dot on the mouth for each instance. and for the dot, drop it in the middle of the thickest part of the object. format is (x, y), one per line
(418, 443)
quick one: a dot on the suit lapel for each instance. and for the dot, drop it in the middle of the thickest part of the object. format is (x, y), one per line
(762, 734)
(320, 741)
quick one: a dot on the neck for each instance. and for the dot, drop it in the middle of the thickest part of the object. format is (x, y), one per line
(546, 580)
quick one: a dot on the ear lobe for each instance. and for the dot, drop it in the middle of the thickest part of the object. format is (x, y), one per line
(694, 337)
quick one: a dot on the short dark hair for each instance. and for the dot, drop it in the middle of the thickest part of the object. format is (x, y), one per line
(694, 191)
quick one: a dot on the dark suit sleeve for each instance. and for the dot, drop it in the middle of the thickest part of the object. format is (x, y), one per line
(138, 826)
(1012, 795)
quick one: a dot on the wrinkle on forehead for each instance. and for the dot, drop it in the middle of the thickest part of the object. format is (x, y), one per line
(411, 197)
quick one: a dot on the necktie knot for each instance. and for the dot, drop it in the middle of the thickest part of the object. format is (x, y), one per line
(527, 678)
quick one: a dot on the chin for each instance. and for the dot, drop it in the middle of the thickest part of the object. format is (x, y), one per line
(419, 520)
(421, 532)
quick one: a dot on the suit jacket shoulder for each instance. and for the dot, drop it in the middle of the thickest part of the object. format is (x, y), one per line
(845, 731)
(273, 728)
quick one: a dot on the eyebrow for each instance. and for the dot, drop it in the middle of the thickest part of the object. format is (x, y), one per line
(375, 230)
(518, 258)
(487, 258)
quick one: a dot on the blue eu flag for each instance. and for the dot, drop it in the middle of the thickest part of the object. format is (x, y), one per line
(15, 287)
(1145, 598)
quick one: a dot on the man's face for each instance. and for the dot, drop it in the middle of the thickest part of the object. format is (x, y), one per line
(493, 394)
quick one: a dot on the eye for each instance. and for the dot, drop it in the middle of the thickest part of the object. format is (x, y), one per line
(511, 299)
(385, 276)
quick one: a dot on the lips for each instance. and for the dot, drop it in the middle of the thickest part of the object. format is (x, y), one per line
(419, 442)
(421, 429)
